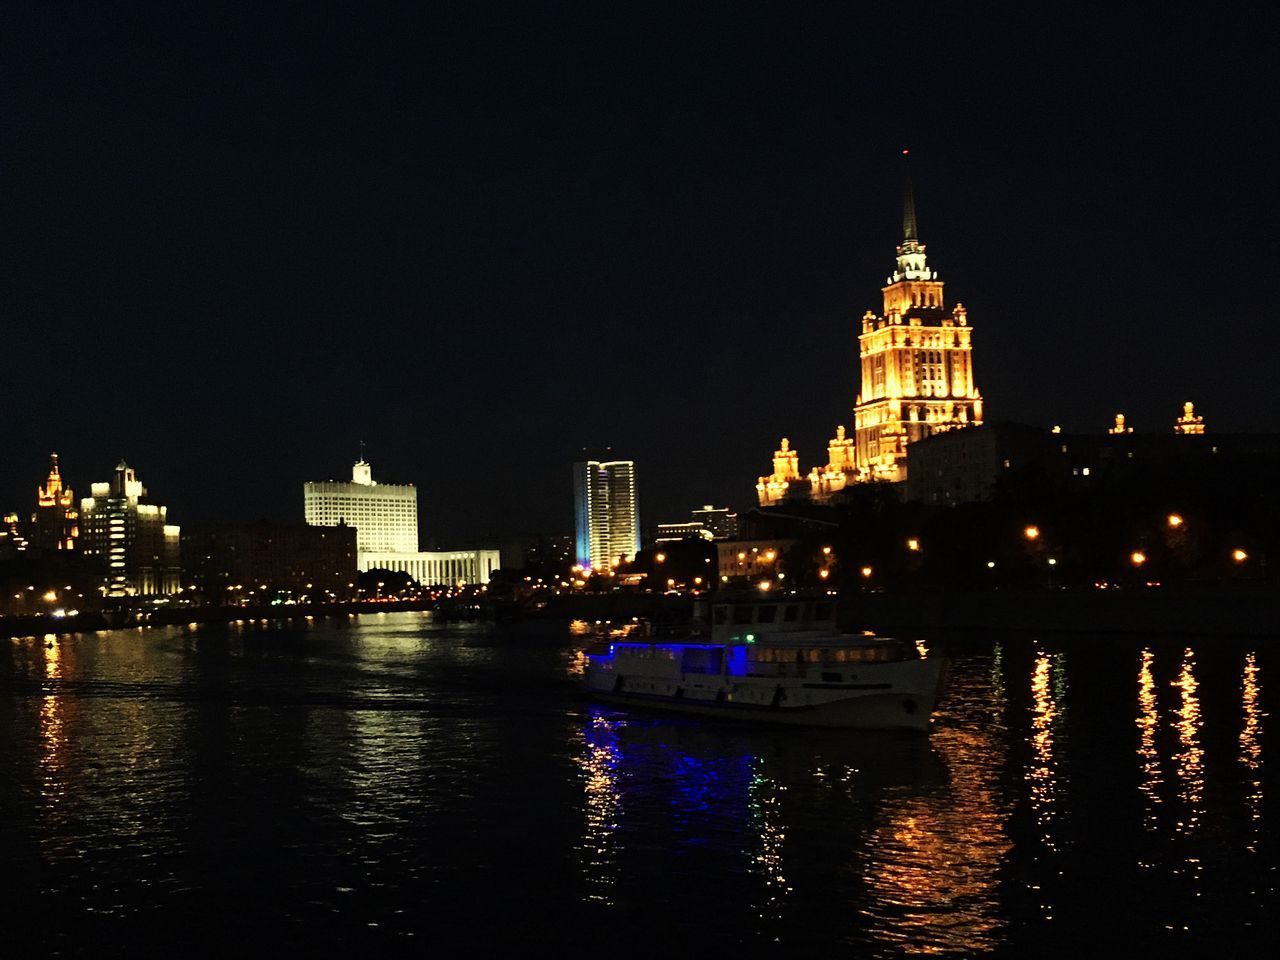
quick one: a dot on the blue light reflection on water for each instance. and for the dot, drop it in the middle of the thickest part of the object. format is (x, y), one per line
(371, 784)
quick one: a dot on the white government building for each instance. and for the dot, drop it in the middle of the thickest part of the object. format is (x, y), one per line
(385, 516)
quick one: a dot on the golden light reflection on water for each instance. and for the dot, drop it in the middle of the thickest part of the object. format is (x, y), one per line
(934, 857)
(602, 807)
(1189, 760)
(1251, 745)
(1148, 723)
(1042, 774)
(52, 721)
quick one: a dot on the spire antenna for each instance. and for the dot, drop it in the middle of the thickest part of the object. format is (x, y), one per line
(909, 230)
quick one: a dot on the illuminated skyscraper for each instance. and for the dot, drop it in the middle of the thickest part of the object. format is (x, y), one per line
(606, 521)
(139, 551)
(917, 363)
(56, 523)
(917, 380)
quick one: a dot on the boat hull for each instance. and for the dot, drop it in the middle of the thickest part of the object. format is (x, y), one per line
(892, 697)
(886, 712)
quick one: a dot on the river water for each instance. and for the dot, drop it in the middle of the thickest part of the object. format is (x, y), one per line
(390, 784)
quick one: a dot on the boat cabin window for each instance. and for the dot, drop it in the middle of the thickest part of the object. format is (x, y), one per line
(722, 615)
(822, 611)
(791, 612)
(767, 614)
(742, 614)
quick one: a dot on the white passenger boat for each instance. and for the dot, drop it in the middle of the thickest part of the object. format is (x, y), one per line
(777, 660)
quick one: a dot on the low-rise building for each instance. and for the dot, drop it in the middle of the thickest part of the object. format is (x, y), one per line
(755, 559)
(438, 568)
(686, 530)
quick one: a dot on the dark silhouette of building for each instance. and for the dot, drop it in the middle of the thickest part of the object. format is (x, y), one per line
(228, 560)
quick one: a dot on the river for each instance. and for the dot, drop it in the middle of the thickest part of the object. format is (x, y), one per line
(386, 783)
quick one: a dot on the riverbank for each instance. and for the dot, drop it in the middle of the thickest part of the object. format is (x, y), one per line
(91, 621)
(1148, 612)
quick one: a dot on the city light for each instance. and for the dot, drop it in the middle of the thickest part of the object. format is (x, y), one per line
(1053, 561)
(1174, 520)
(824, 574)
(913, 544)
(1031, 533)
(866, 573)
(1137, 558)
(1239, 556)
(661, 557)
(991, 564)
(764, 586)
(771, 555)
(826, 551)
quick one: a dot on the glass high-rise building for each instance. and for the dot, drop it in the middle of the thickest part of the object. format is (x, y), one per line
(606, 519)
(130, 537)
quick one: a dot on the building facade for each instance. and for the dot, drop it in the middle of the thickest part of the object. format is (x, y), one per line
(438, 568)
(137, 550)
(685, 530)
(385, 518)
(721, 521)
(385, 515)
(916, 368)
(965, 466)
(606, 518)
(224, 560)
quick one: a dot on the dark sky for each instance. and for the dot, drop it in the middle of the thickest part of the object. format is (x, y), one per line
(238, 240)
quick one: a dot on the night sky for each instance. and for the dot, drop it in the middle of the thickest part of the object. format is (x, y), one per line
(237, 241)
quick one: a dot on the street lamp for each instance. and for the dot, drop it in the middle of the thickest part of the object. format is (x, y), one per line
(1031, 533)
(913, 544)
(1137, 558)
(1239, 556)
(1174, 520)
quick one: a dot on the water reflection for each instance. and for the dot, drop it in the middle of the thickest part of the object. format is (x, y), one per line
(765, 799)
(1043, 775)
(599, 760)
(1189, 759)
(52, 721)
(1148, 757)
(934, 856)
(1251, 745)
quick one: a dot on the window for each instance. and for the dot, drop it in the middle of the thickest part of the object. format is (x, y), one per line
(767, 614)
(722, 615)
(742, 614)
(791, 613)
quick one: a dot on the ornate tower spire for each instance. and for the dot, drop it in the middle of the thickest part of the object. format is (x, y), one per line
(909, 232)
(912, 264)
